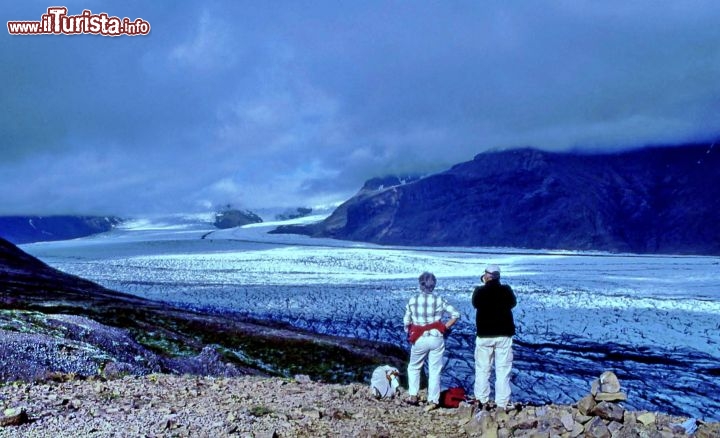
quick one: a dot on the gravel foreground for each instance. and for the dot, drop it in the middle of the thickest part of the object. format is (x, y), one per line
(161, 405)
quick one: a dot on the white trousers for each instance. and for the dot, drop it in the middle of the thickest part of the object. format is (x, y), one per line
(432, 348)
(487, 350)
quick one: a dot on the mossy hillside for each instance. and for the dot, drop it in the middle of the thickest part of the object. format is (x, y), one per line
(273, 349)
(30, 291)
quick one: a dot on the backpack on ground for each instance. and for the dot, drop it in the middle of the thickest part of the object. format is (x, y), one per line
(384, 381)
(451, 397)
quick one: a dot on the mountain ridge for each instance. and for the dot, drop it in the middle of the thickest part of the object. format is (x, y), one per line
(29, 229)
(655, 200)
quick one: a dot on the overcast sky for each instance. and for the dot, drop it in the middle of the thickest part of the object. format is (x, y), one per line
(297, 103)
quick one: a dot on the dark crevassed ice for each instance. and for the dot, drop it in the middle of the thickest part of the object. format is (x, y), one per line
(664, 352)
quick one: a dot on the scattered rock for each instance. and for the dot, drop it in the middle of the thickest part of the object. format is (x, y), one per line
(586, 404)
(115, 370)
(311, 412)
(208, 363)
(582, 419)
(488, 427)
(615, 427)
(596, 428)
(608, 411)
(502, 416)
(302, 378)
(602, 418)
(567, 421)
(630, 418)
(551, 425)
(577, 430)
(161, 404)
(610, 396)
(708, 430)
(646, 419)
(594, 387)
(523, 424)
(465, 412)
(13, 417)
(267, 434)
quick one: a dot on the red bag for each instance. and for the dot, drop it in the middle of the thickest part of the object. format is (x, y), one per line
(451, 397)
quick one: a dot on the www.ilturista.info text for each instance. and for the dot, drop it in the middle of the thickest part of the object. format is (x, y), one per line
(57, 22)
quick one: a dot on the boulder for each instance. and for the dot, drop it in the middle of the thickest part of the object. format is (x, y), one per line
(646, 418)
(608, 411)
(582, 419)
(577, 430)
(208, 362)
(597, 428)
(615, 428)
(609, 382)
(567, 421)
(708, 430)
(552, 425)
(586, 404)
(465, 411)
(630, 418)
(13, 417)
(610, 396)
(302, 378)
(524, 423)
(483, 424)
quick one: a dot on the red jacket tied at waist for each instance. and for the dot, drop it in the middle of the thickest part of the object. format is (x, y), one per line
(415, 331)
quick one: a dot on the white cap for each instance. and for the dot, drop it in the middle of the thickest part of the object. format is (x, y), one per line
(491, 269)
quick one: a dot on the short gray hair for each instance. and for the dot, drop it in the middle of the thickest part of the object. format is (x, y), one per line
(427, 281)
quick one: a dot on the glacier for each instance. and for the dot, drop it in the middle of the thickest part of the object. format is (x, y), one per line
(654, 320)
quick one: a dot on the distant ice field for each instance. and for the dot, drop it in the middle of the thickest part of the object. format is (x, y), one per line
(646, 317)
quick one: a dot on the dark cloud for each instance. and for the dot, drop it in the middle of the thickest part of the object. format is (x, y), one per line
(297, 103)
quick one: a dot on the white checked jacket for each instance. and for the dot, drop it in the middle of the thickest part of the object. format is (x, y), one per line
(426, 308)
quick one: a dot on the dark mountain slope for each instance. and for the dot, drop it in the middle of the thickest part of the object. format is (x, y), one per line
(653, 200)
(26, 229)
(35, 301)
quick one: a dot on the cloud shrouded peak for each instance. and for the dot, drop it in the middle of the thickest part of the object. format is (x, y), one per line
(287, 104)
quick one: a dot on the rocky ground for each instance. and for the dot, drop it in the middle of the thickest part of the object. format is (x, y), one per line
(161, 405)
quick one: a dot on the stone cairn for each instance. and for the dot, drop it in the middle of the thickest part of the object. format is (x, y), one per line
(597, 415)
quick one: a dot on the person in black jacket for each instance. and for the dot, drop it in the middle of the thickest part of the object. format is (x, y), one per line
(493, 302)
